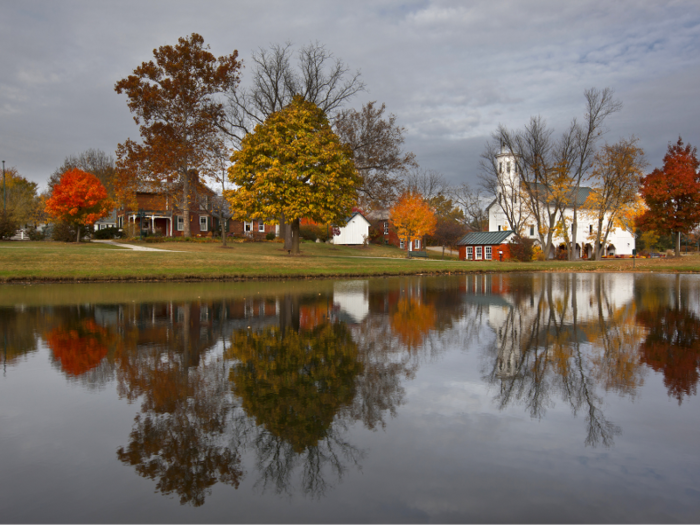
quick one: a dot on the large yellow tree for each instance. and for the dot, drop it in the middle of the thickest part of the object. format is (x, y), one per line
(293, 166)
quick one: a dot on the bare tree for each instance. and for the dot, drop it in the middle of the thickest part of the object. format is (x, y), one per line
(507, 190)
(376, 145)
(578, 146)
(472, 204)
(548, 172)
(318, 76)
(428, 183)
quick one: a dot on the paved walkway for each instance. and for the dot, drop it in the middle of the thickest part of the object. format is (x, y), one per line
(135, 247)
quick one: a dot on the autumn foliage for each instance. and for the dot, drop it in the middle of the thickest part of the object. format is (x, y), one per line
(294, 166)
(672, 193)
(412, 217)
(78, 349)
(79, 199)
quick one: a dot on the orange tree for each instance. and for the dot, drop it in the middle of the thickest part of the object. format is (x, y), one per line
(291, 167)
(79, 199)
(412, 218)
(672, 193)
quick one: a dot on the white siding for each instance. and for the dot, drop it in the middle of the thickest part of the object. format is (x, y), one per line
(354, 232)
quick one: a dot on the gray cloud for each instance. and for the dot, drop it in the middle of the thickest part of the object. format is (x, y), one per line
(451, 71)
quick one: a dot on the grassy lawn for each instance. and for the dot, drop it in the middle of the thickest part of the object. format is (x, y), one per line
(49, 261)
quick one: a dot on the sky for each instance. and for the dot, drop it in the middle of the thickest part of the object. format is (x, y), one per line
(451, 71)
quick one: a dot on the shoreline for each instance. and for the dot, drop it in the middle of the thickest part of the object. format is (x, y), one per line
(325, 276)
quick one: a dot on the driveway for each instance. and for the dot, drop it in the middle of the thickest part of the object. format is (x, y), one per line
(135, 247)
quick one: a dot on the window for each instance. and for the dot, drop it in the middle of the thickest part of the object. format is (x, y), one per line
(386, 228)
(500, 167)
(478, 252)
(470, 253)
(180, 223)
(488, 253)
(261, 226)
(590, 228)
(401, 244)
(203, 223)
(532, 231)
(248, 227)
(416, 244)
(499, 227)
(508, 168)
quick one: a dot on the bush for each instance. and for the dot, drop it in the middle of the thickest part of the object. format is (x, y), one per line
(154, 238)
(63, 232)
(8, 225)
(107, 233)
(311, 232)
(270, 236)
(521, 248)
(35, 234)
(537, 253)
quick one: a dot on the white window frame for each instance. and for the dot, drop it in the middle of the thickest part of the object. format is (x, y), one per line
(386, 227)
(416, 244)
(401, 244)
(487, 253)
(247, 226)
(180, 223)
(470, 253)
(479, 251)
(261, 226)
(205, 222)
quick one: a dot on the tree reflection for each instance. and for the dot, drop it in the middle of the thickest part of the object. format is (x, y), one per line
(295, 383)
(180, 439)
(79, 347)
(672, 346)
(566, 338)
(183, 449)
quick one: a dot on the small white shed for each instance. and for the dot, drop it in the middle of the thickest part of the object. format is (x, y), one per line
(356, 231)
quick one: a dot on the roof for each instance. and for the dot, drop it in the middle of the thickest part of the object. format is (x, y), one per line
(491, 238)
(375, 215)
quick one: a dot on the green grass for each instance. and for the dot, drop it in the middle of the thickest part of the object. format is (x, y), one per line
(52, 261)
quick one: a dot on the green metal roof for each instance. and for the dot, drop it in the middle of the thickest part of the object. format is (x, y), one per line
(484, 238)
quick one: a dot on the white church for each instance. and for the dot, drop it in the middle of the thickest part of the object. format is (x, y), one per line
(619, 242)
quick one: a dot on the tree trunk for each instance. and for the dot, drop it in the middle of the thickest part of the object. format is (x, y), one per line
(443, 251)
(187, 232)
(295, 236)
(286, 233)
(223, 230)
(678, 244)
(77, 227)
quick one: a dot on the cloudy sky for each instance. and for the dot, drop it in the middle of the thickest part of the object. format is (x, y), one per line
(451, 71)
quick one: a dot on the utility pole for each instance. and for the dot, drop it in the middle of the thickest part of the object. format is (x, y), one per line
(4, 197)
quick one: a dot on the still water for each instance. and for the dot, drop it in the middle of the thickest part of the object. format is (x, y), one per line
(490, 398)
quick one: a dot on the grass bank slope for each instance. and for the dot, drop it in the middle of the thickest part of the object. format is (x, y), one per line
(70, 262)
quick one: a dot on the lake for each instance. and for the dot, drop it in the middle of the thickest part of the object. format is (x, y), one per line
(477, 398)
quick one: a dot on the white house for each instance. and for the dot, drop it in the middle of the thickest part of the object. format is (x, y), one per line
(356, 231)
(619, 242)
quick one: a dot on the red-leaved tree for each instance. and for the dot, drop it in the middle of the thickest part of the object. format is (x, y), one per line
(672, 194)
(79, 199)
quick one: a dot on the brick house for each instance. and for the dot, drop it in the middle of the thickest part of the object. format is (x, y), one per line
(158, 211)
(485, 246)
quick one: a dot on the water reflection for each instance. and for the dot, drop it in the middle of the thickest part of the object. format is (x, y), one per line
(282, 378)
